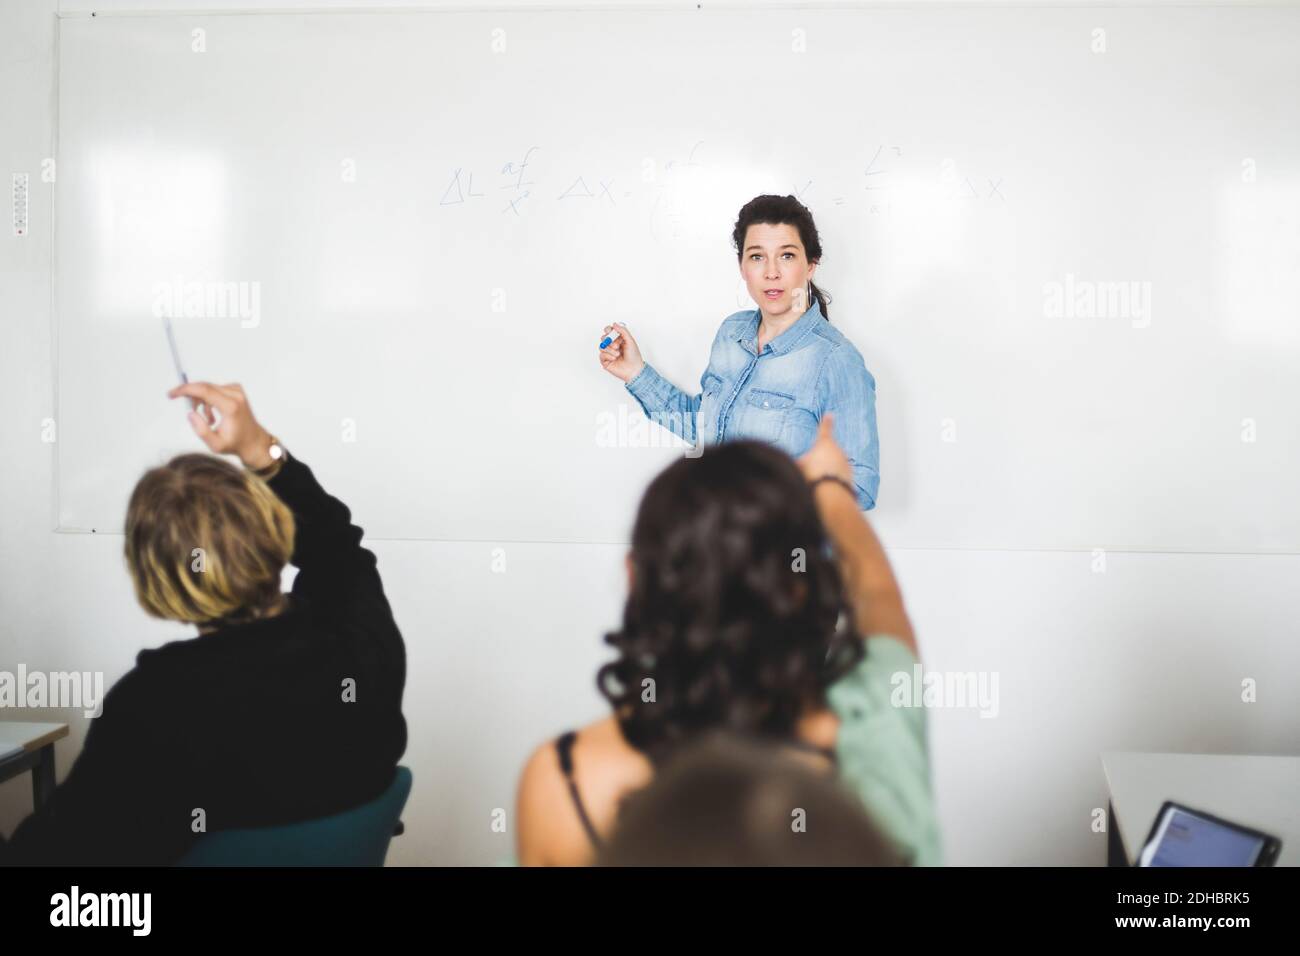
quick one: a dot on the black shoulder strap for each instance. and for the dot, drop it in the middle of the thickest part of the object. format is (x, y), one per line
(564, 750)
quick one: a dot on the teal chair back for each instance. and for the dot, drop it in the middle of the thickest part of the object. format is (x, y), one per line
(356, 837)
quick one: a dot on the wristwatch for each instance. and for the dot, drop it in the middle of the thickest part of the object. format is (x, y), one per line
(277, 453)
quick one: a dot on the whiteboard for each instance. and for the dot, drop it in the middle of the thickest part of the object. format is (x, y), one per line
(1071, 270)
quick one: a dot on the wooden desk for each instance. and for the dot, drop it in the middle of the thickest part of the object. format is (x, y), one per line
(35, 743)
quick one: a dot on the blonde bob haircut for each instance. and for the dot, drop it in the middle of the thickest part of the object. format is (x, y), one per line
(206, 542)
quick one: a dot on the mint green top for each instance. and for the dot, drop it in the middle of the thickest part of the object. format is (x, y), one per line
(882, 750)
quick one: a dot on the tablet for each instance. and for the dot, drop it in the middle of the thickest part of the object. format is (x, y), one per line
(1185, 837)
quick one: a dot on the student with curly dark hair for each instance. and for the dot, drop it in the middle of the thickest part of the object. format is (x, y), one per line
(774, 371)
(743, 565)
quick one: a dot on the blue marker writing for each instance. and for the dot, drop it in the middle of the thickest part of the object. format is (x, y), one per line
(609, 338)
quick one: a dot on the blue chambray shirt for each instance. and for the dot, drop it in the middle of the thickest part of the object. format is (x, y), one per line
(778, 396)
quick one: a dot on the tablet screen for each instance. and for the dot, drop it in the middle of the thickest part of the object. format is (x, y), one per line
(1185, 839)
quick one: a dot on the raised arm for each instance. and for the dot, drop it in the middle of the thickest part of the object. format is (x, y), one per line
(882, 749)
(332, 564)
(873, 590)
(847, 391)
(333, 568)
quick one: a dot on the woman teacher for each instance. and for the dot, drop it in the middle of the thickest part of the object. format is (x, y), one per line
(773, 371)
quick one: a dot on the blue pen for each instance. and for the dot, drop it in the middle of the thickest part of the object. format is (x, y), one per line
(176, 358)
(176, 355)
(609, 338)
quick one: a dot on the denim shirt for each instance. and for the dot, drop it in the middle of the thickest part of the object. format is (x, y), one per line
(778, 396)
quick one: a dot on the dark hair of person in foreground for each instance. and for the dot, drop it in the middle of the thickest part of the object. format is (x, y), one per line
(736, 801)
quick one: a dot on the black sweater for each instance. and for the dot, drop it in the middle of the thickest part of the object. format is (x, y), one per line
(249, 723)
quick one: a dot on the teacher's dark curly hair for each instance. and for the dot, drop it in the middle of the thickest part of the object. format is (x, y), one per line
(736, 616)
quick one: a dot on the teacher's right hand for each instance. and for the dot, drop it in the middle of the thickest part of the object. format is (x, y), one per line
(621, 358)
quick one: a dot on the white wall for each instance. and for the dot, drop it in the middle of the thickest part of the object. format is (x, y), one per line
(1149, 655)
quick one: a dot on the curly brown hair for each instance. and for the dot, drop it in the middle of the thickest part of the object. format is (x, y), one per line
(736, 616)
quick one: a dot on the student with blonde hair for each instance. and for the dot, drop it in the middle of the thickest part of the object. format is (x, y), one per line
(284, 707)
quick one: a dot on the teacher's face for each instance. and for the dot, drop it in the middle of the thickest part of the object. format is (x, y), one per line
(776, 269)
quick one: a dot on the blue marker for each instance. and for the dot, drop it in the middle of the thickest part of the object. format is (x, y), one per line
(176, 355)
(176, 358)
(609, 338)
